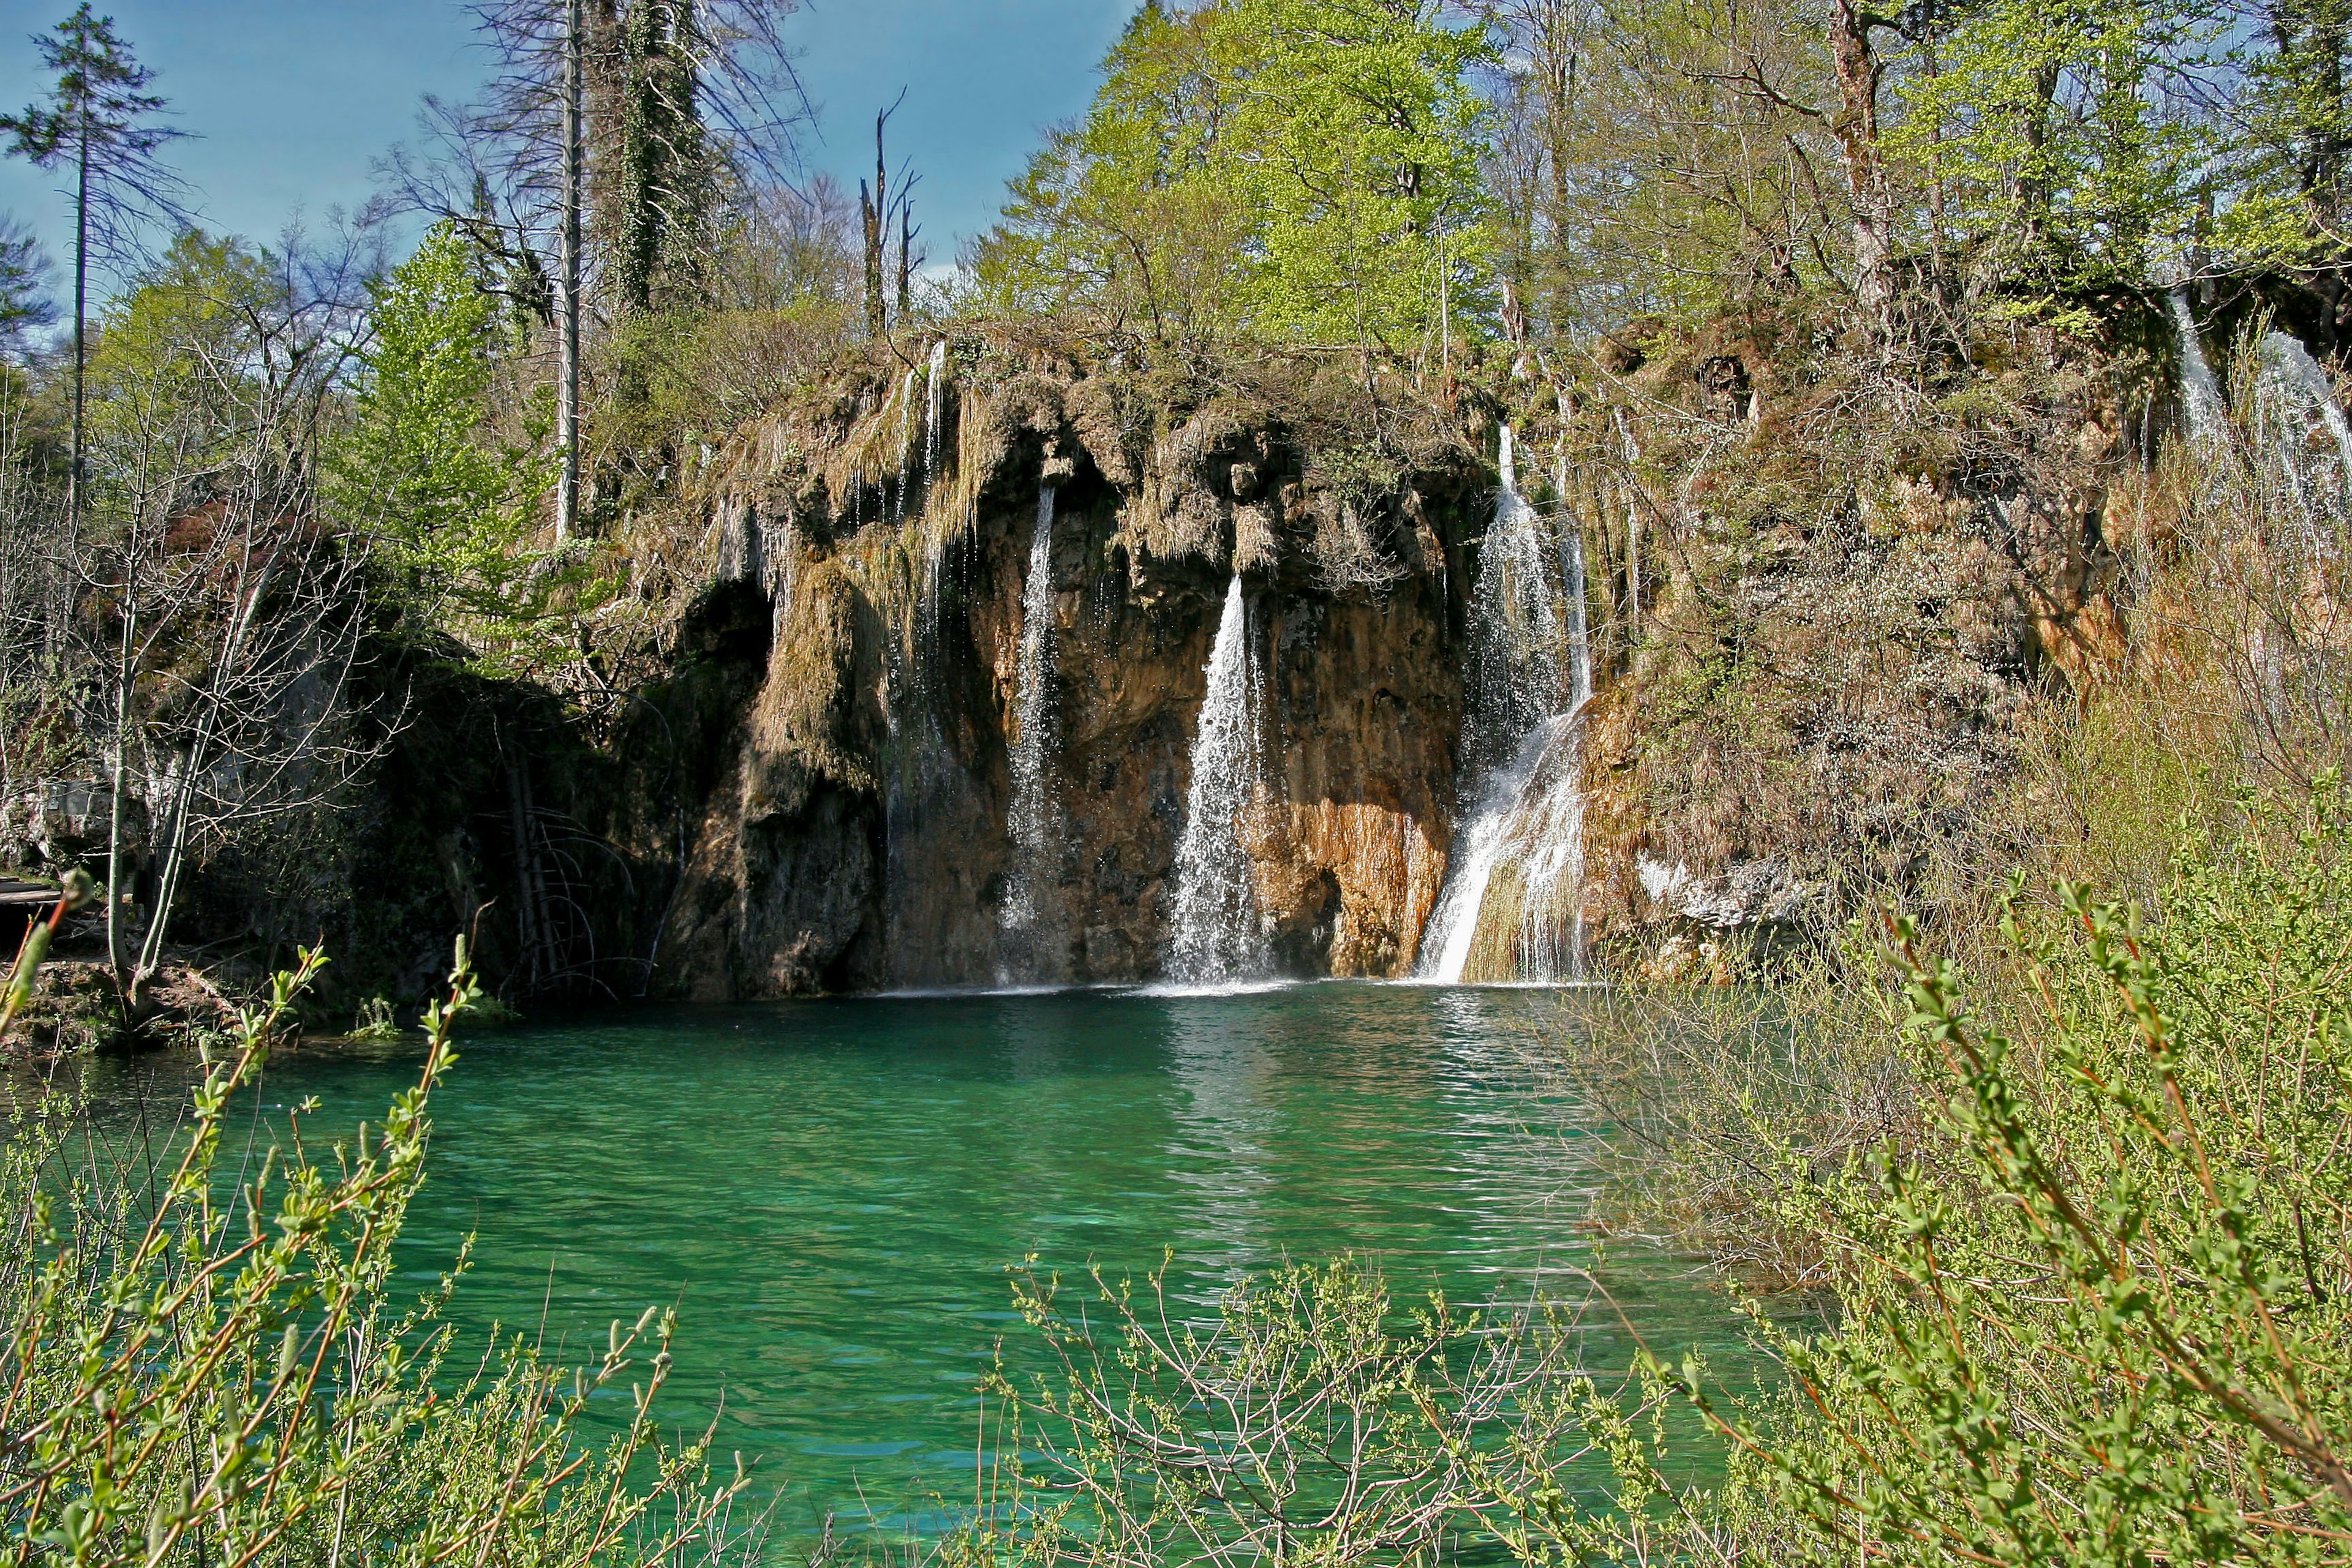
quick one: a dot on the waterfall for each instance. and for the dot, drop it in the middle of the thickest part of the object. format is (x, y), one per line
(906, 440)
(1515, 641)
(1521, 746)
(2200, 395)
(1215, 934)
(2295, 384)
(1572, 585)
(935, 539)
(934, 388)
(1454, 925)
(1035, 839)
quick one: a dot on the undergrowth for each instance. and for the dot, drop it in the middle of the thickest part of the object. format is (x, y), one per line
(206, 1362)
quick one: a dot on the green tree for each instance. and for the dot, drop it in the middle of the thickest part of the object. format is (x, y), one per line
(2286, 192)
(2037, 132)
(24, 271)
(450, 510)
(1306, 168)
(169, 398)
(99, 123)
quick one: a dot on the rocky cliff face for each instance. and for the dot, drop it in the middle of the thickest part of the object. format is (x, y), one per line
(905, 689)
(904, 685)
(860, 832)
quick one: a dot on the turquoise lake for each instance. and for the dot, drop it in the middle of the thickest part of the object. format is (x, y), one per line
(829, 1192)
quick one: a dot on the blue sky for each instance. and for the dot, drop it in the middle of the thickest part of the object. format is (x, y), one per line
(293, 99)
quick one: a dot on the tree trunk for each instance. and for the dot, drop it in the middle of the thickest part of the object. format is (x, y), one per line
(905, 257)
(1859, 71)
(74, 498)
(118, 795)
(567, 407)
(875, 209)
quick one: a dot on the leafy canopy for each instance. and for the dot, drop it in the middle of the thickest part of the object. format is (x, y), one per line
(1302, 169)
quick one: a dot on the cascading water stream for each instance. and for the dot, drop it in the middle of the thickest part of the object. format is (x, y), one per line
(935, 541)
(1550, 827)
(1454, 925)
(1215, 933)
(1571, 576)
(2297, 385)
(1031, 820)
(1529, 816)
(2200, 393)
(934, 389)
(906, 441)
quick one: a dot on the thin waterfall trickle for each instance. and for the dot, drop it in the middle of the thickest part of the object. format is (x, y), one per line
(934, 389)
(2200, 393)
(1572, 584)
(938, 536)
(906, 440)
(1036, 838)
(1215, 934)
(1528, 827)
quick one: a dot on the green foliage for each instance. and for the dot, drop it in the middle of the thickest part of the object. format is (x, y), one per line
(100, 123)
(374, 1021)
(451, 510)
(24, 274)
(1300, 168)
(205, 1365)
(2288, 172)
(2098, 1314)
(665, 173)
(1310, 1420)
(2036, 128)
(172, 389)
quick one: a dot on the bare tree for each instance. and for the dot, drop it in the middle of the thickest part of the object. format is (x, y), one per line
(551, 138)
(218, 625)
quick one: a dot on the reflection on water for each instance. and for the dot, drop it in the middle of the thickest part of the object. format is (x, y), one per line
(1224, 1125)
(830, 1192)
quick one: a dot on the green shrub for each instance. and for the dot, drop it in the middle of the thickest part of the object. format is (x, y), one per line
(374, 1021)
(203, 1363)
(2102, 1313)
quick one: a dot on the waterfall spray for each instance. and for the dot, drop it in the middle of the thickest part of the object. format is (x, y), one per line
(1216, 934)
(1035, 841)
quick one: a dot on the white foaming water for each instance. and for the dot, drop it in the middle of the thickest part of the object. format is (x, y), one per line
(1530, 809)
(1035, 841)
(1515, 641)
(2200, 395)
(2294, 379)
(934, 387)
(1454, 925)
(1545, 834)
(1215, 937)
